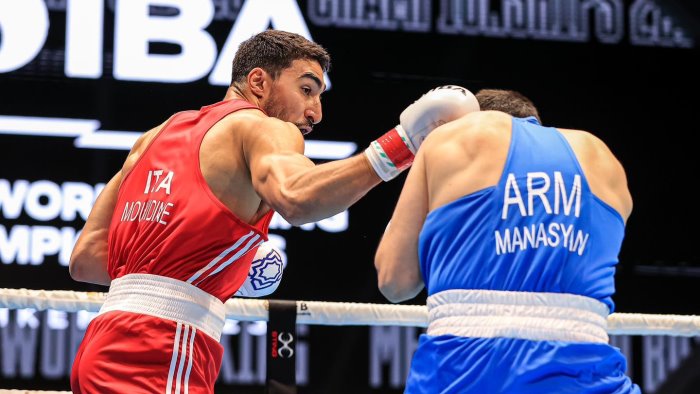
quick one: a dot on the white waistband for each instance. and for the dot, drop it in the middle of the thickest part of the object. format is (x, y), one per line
(166, 298)
(515, 314)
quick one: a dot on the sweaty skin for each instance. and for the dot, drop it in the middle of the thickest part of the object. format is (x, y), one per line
(253, 161)
(460, 158)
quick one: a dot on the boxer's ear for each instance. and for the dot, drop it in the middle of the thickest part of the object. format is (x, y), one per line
(258, 82)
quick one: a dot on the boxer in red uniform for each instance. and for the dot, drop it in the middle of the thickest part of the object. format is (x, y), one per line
(175, 230)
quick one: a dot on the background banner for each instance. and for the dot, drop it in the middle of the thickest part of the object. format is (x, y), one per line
(81, 79)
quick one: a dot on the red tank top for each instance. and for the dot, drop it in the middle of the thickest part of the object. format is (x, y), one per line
(168, 222)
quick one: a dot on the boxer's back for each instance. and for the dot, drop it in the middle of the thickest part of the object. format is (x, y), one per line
(517, 255)
(469, 154)
(513, 211)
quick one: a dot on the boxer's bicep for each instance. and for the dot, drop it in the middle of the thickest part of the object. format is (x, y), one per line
(274, 154)
(396, 260)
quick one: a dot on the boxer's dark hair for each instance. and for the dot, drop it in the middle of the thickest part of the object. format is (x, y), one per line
(508, 101)
(273, 51)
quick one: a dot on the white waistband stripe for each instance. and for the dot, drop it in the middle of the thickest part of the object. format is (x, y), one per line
(511, 314)
(167, 298)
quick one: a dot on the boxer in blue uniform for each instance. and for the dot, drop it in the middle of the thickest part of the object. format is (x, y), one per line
(514, 229)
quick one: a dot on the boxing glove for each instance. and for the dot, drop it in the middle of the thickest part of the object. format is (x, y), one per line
(394, 152)
(265, 272)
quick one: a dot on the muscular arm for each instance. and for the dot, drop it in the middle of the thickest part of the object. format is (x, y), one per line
(614, 185)
(603, 170)
(292, 185)
(88, 261)
(396, 260)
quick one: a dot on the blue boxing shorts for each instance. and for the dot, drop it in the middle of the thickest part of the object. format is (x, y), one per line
(482, 341)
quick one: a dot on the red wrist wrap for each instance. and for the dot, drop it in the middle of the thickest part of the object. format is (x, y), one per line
(396, 149)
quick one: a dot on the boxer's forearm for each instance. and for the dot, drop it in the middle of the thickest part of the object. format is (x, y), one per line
(88, 263)
(88, 260)
(324, 190)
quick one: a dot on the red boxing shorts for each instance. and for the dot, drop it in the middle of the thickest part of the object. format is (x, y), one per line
(152, 335)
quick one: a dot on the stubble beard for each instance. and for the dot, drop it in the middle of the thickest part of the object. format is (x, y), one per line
(273, 108)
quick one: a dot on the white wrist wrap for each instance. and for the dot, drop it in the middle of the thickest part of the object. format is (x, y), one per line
(394, 151)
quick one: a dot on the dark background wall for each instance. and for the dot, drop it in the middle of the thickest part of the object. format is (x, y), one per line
(635, 89)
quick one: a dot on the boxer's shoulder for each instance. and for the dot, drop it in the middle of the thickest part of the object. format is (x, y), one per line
(472, 131)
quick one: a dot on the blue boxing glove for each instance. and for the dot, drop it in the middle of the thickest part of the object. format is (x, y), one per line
(265, 272)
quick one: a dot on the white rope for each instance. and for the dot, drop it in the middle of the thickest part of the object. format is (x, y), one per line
(32, 392)
(341, 313)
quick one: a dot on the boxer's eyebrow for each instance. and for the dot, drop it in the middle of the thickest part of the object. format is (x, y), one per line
(315, 78)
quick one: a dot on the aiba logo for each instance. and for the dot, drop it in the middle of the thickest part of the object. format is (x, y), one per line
(25, 26)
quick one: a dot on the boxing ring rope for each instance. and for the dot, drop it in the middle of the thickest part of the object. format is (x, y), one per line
(340, 313)
(32, 392)
(330, 313)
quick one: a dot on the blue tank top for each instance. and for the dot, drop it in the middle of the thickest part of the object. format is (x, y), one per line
(539, 229)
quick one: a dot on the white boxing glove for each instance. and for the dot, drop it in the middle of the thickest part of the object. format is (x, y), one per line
(394, 152)
(265, 272)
